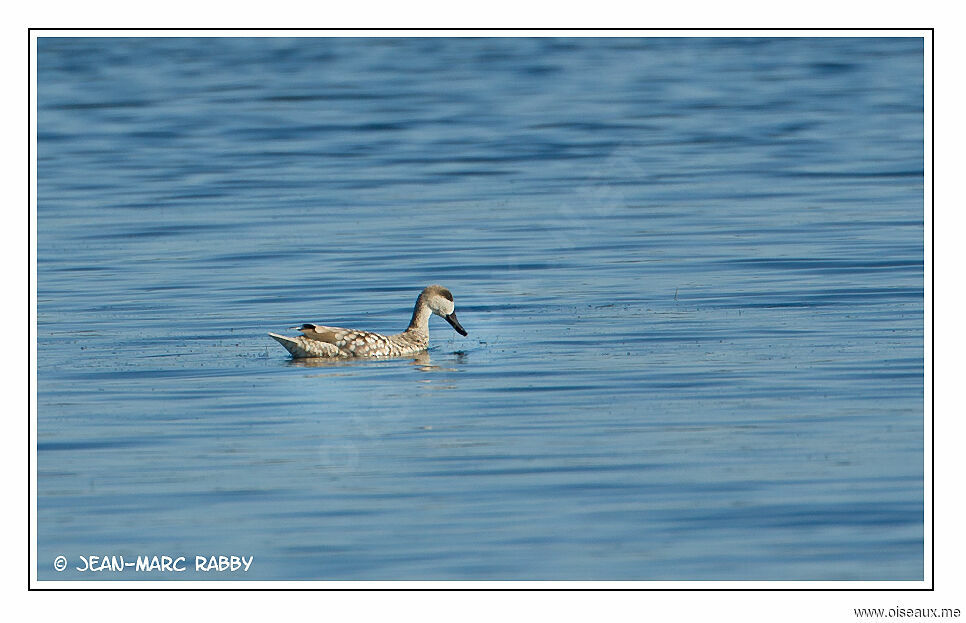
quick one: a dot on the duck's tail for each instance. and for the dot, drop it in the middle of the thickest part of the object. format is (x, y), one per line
(292, 346)
(301, 347)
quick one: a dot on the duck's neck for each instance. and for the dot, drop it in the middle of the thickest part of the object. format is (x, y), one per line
(421, 314)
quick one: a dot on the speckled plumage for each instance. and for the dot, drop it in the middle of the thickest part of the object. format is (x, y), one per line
(323, 341)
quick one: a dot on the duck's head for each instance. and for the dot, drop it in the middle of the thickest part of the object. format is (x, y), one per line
(440, 301)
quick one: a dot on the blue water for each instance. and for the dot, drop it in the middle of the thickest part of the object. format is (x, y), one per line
(691, 271)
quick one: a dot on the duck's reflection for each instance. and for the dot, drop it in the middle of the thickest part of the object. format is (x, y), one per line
(422, 362)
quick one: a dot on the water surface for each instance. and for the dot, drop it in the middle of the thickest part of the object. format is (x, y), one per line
(691, 271)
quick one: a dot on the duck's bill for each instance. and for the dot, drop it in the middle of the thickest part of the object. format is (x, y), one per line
(451, 319)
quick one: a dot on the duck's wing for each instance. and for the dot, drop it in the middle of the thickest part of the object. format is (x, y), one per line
(350, 342)
(322, 333)
(322, 341)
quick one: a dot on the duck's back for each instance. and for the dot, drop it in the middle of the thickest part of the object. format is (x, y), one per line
(323, 341)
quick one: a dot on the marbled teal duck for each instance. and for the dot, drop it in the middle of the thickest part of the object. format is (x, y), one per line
(321, 341)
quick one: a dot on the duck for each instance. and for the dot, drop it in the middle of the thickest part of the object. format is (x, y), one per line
(323, 341)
